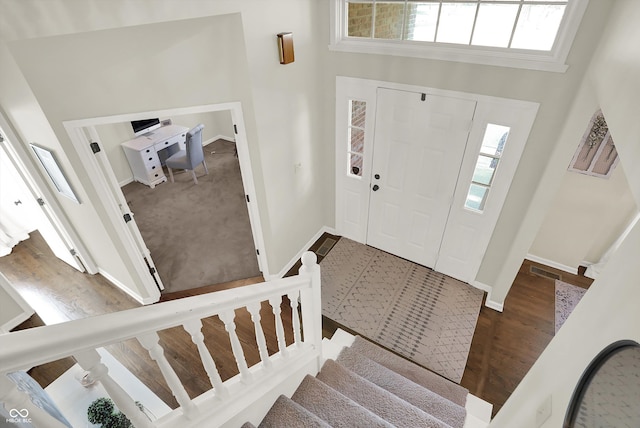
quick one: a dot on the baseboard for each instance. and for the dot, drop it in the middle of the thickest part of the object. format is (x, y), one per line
(125, 182)
(293, 261)
(16, 321)
(489, 303)
(218, 137)
(121, 286)
(551, 263)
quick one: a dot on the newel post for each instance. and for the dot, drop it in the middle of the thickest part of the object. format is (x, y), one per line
(310, 299)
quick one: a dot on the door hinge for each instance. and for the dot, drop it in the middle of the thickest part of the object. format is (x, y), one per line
(247, 198)
(40, 202)
(73, 252)
(95, 147)
(235, 129)
(423, 97)
(127, 218)
(257, 251)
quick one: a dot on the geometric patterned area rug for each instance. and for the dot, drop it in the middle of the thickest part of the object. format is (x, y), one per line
(421, 314)
(567, 297)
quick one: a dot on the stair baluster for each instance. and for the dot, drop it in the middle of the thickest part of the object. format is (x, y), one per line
(227, 318)
(294, 299)
(194, 328)
(311, 299)
(151, 343)
(91, 361)
(254, 310)
(275, 303)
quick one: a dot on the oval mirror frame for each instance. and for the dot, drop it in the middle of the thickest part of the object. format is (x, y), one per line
(595, 367)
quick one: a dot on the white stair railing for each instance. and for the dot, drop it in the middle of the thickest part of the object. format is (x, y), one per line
(246, 396)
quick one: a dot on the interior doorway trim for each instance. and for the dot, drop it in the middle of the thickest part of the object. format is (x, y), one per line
(81, 132)
(40, 190)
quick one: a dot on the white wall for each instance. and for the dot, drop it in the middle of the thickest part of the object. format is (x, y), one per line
(608, 312)
(586, 216)
(70, 61)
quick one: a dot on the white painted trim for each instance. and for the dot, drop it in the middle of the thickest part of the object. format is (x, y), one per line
(553, 61)
(294, 260)
(489, 303)
(27, 310)
(219, 137)
(126, 181)
(74, 127)
(551, 263)
(120, 285)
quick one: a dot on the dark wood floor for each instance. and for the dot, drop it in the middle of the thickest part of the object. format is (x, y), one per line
(505, 345)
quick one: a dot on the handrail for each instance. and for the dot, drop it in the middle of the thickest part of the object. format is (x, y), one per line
(225, 400)
(34, 346)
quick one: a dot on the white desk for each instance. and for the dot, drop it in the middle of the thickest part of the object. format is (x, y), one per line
(146, 154)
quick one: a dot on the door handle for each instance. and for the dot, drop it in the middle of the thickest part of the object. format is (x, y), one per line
(375, 187)
(377, 176)
(18, 202)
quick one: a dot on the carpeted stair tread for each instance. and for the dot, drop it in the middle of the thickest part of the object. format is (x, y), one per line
(333, 407)
(379, 401)
(287, 413)
(411, 371)
(441, 408)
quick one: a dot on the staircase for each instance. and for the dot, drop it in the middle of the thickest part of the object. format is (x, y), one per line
(355, 384)
(363, 385)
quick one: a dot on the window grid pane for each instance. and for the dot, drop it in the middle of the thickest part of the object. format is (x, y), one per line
(493, 142)
(506, 24)
(355, 148)
(476, 197)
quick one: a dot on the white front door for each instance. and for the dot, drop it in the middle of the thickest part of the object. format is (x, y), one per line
(419, 146)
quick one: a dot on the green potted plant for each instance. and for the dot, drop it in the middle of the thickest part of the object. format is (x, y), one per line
(101, 411)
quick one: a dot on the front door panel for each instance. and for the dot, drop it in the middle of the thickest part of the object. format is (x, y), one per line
(418, 150)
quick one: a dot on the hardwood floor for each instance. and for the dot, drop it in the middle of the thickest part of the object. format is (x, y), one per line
(505, 345)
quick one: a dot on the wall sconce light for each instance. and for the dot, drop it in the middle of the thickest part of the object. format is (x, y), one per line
(285, 45)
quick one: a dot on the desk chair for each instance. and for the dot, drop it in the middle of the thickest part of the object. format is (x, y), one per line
(190, 158)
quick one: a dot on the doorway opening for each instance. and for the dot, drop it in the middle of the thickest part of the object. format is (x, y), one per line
(172, 229)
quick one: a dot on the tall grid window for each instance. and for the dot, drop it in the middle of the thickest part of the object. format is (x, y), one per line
(493, 142)
(509, 24)
(355, 150)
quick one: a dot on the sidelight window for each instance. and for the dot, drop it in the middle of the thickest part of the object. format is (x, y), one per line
(355, 151)
(493, 142)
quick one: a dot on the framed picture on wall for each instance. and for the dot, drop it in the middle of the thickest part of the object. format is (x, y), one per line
(50, 164)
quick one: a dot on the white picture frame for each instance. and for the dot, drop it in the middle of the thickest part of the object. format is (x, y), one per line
(55, 173)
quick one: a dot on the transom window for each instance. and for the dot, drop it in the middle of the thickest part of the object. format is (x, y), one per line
(525, 30)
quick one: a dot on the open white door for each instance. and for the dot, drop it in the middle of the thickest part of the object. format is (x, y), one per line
(93, 141)
(38, 203)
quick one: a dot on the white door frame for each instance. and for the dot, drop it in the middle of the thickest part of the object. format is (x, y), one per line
(45, 197)
(82, 132)
(353, 193)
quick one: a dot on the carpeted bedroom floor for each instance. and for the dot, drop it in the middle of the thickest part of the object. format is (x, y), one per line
(198, 235)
